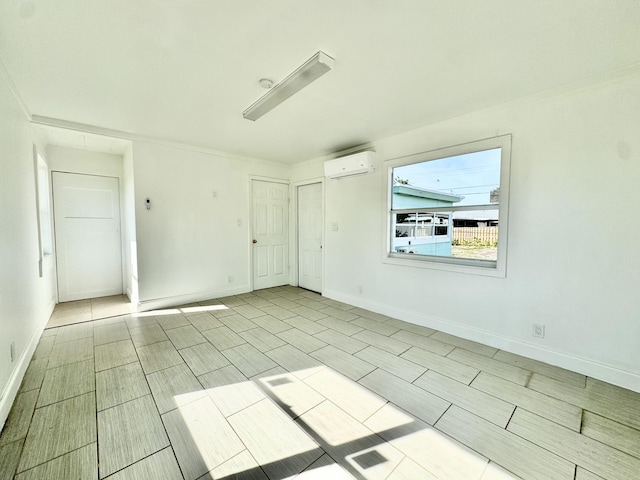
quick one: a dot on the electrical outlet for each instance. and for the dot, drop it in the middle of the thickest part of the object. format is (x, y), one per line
(230, 279)
(13, 351)
(360, 290)
(538, 330)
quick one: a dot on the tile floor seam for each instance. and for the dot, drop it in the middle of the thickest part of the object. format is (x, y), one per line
(138, 460)
(144, 374)
(582, 410)
(244, 444)
(64, 399)
(55, 458)
(58, 456)
(506, 427)
(605, 444)
(21, 439)
(97, 430)
(303, 301)
(540, 446)
(528, 380)
(142, 459)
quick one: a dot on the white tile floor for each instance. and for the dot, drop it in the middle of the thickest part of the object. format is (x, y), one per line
(79, 311)
(283, 383)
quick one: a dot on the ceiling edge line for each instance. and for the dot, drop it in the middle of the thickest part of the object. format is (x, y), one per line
(4, 72)
(134, 137)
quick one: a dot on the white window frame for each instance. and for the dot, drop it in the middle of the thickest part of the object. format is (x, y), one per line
(496, 268)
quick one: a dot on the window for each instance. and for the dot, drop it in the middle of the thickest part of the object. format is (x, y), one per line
(449, 207)
(44, 210)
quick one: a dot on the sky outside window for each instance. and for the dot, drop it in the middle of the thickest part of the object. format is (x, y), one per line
(472, 176)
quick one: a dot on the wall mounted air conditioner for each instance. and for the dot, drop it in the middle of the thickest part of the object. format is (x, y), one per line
(356, 164)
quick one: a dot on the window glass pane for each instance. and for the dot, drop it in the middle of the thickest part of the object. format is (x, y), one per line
(423, 233)
(456, 182)
(470, 179)
(475, 234)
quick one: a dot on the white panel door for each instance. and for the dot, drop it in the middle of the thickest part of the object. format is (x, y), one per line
(310, 225)
(270, 234)
(87, 231)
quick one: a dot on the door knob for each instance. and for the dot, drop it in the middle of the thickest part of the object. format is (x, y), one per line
(254, 241)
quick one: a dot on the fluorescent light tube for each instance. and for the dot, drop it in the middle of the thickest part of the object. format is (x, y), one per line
(312, 69)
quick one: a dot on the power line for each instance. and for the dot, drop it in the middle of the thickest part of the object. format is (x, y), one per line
(448, 170)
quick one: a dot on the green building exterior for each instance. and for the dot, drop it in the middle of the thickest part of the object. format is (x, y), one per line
(423, 233)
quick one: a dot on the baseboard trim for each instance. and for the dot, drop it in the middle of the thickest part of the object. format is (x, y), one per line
(574, 363)
(15, 380)
(153, 304)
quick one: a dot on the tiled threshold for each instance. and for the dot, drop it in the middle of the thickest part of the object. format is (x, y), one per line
(69, 313)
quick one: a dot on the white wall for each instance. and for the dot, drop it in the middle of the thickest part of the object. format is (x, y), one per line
(130, 249)
(572, 261)
(74, 160)
(26, 299)
(189, 242)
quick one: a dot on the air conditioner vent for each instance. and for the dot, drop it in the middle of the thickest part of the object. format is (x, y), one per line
(356, 164)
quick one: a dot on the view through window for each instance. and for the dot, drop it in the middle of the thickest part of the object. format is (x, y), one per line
(448, 207)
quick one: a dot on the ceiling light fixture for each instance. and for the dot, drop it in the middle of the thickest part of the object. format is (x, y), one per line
(309, 71)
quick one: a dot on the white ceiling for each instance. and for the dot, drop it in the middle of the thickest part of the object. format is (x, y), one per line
(184, 71)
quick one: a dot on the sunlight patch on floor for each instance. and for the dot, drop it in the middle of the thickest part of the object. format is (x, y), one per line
(283, 424)
(156, 313)
(174, 311)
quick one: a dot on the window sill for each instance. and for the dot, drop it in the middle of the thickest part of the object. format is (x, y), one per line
(469, 267)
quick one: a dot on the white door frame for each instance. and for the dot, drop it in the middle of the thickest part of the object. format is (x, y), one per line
(250, 220)
(295, 250)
